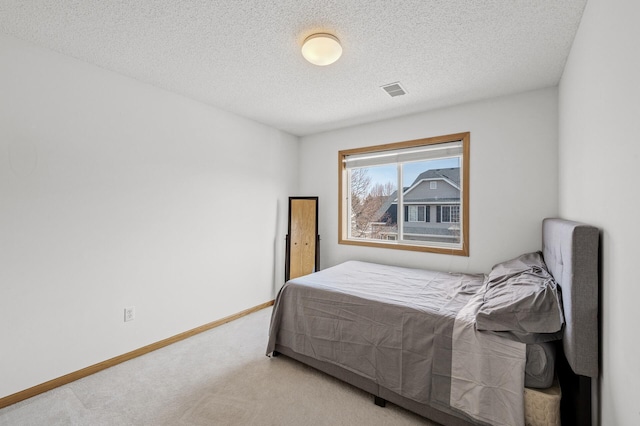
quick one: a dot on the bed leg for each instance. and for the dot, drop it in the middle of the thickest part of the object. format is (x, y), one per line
(575, 405)
(275, 354)
(583, 405)
(380, 402)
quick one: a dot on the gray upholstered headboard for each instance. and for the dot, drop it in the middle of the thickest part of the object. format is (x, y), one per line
(570, 251)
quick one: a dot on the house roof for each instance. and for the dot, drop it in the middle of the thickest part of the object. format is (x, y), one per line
(387, 203)
(451, 174)
(435, 200)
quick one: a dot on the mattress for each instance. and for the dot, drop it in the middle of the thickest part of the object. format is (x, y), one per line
(542, 406)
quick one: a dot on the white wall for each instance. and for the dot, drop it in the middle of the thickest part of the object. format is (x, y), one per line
(599, 126)
(115, 193)
(514, 177)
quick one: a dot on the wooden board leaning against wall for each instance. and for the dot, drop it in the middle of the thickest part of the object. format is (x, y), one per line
(303, 251)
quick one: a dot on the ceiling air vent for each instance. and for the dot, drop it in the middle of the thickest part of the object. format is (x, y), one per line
(394, 89)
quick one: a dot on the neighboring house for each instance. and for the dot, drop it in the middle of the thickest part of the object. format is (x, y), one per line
(431, 208)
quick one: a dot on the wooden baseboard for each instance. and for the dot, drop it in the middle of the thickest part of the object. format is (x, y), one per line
(68, 378)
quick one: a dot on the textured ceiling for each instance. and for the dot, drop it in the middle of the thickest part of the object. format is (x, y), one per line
(244, 56)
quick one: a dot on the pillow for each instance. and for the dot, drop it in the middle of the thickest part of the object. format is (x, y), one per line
(521, 297)
(526, 262)
(539, 368)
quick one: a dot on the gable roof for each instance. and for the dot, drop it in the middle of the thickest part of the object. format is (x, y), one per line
(382, 211)
(452, 174)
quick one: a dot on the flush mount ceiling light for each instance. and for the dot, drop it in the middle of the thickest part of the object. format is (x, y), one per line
(321, 49)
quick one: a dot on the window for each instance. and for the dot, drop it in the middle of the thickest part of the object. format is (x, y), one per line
(415, 213)
(389, 195)
(450, 214)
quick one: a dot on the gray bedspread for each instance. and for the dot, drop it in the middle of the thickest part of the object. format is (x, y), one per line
(411, 331)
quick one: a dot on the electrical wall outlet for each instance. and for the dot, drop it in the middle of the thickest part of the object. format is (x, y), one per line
(129, 313)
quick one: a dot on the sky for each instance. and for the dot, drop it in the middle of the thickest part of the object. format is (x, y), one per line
(411, 170)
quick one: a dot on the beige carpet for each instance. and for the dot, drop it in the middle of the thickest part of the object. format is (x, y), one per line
(220, 377)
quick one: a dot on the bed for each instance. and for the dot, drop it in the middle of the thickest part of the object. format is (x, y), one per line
(455, 348)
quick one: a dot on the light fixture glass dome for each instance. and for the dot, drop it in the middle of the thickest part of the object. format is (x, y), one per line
(321, 49)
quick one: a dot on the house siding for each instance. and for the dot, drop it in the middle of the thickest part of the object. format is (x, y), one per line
(423, 192)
